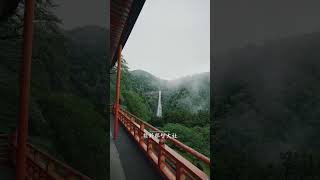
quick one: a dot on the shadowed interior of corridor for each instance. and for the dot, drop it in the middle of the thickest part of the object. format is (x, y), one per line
(6, 172)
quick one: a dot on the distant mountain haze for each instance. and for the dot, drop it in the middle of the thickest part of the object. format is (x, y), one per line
(238, 22)
(266, 103)
(79, 13)
(197, 85)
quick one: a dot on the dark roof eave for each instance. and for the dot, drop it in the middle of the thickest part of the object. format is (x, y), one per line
(133, 16)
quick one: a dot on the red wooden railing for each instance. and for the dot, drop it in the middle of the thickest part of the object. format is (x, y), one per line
(41, 165)
(169, 163)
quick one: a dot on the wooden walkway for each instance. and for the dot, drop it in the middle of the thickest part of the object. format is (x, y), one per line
(117, 171)
(135, 164)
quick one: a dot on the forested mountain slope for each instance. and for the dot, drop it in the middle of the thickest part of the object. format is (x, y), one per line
(67, 95)
(185, 104)
(88, 59)
(266, 106)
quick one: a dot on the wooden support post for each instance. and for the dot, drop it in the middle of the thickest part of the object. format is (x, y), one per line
(180, 172)
(141, 138)
(161, 157)
(149, 146)
(71, 176)
(24, 91)
(51, 168)
(116, 116)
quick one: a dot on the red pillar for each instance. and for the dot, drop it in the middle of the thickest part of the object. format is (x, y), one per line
(24, 91)
(116, 115)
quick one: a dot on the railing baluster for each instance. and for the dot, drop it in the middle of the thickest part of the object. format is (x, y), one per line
(132, 127)
(141, 138)
(41, 165)
(161, 157)
(134, 130)
(37, 157)
(70, 176)
(51, 168)
(183, 168)
(149, 146)
(179, 172)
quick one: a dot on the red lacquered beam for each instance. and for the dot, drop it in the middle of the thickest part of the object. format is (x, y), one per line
(24, 90)
(116, 116)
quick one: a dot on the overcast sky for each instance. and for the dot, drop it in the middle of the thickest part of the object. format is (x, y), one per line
(171, 38)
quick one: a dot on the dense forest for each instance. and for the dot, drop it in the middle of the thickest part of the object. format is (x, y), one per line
(266, 110)
(68, 89)
(185, 105)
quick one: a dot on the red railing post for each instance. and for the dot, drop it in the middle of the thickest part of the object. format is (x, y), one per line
(141, 138)
(161, 157)
(50, 167)
(179, 172)
(135, 131)
(116, 116)
(126, 122)
(149, 146)
(70, 176)
(24, 90)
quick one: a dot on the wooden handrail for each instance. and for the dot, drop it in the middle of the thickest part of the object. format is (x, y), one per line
(59, 163)
(176, 142)
(169, 163)
(41, 163)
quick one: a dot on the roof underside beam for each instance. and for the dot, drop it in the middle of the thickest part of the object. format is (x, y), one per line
(124, 14)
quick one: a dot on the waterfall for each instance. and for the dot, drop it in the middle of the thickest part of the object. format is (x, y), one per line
(159, 110)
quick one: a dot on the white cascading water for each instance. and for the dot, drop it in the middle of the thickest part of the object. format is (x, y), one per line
(159, 110)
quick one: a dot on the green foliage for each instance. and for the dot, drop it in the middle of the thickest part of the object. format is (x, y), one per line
(192, 137)
(135, 103)
(195, 137)
(185, 104)
(130, 97)
(88, 63)
(79, 133)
